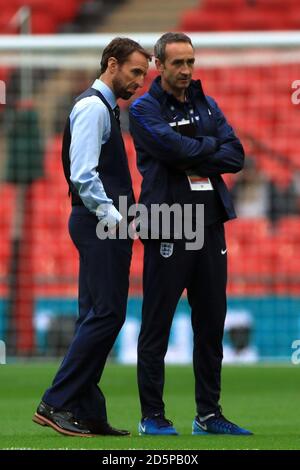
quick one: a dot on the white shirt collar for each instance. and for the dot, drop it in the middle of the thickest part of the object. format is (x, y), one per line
(106, 92)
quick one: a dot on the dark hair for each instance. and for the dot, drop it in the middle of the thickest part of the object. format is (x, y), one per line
(120, 49)
(168, 38)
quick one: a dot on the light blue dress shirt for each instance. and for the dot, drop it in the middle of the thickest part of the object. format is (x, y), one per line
(90, 129)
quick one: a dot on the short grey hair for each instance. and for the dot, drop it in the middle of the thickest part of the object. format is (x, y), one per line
(168, 38)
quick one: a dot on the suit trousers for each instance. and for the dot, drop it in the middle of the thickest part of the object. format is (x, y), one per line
(103, 291)
(204, 274)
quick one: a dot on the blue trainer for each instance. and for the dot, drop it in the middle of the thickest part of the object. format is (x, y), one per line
(216, 423)
(156, 425)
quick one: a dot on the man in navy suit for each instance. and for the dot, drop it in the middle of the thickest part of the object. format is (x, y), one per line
(96, 170)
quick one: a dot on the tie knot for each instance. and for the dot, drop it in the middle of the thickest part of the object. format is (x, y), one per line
(117, 113)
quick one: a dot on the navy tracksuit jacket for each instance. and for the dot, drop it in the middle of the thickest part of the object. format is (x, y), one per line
(163, 155)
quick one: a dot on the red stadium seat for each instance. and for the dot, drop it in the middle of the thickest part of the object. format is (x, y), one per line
(46, 17)
(259, 20)
(194, 20)
(6, 16)
(250, 268)
(4, 74)
(43, 23)
(235, 15)
(62, 11)
(288, 228)
(248, 231)
(287, 268)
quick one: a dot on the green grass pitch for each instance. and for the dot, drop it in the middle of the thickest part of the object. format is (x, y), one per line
(264, 399)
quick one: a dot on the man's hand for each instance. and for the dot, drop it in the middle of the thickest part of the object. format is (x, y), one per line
(109, 217)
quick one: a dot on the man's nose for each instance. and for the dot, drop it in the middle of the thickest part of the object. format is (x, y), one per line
(185, 69)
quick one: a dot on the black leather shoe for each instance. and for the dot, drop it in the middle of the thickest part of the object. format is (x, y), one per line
(61, 421)
(105, 429)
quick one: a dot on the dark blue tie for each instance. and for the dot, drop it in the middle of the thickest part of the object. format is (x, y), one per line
(117, 114)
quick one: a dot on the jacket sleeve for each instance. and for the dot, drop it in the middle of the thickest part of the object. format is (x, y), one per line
(153, 135)
(207, 155)
(229, 158)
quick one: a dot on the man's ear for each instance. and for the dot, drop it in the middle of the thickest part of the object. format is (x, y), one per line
(112, 64)
(159, 65)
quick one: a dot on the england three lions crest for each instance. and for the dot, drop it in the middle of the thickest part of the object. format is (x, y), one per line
(166, 249)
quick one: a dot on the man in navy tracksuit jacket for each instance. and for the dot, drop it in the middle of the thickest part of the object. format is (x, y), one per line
(184, 144)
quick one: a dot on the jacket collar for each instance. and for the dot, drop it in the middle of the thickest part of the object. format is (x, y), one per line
(194, 91)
